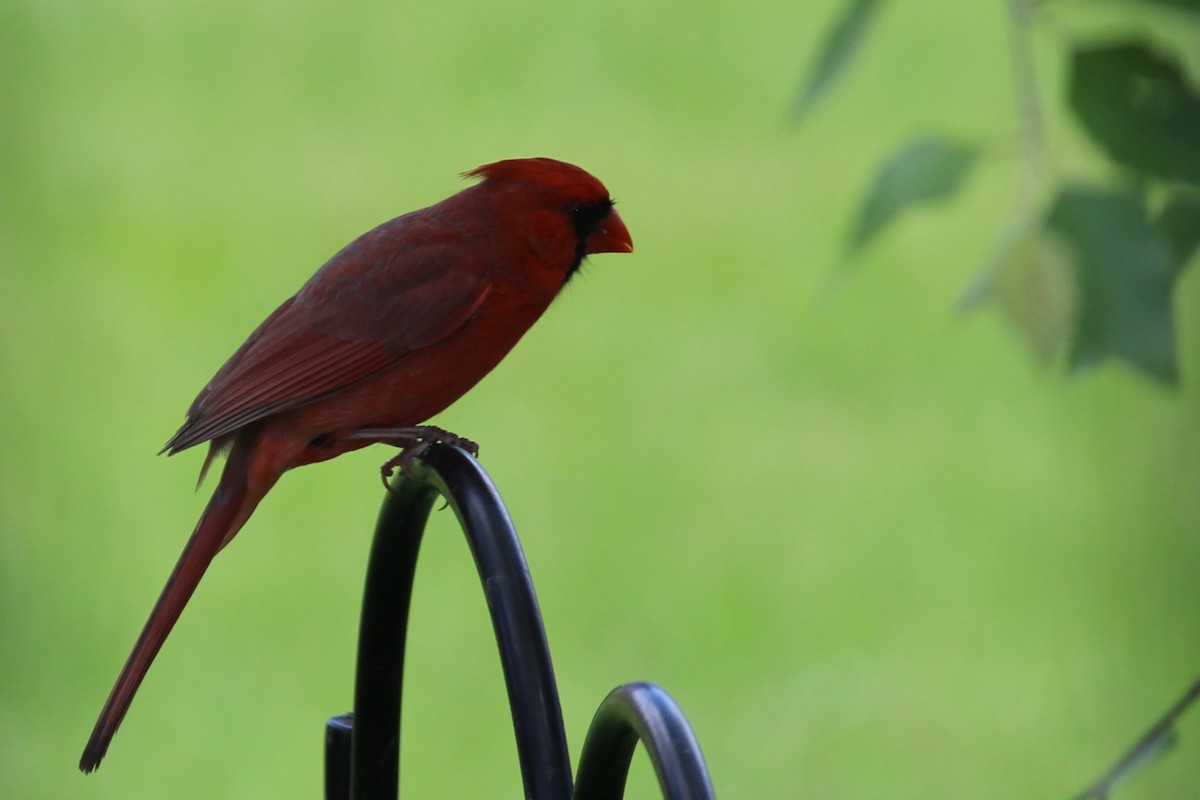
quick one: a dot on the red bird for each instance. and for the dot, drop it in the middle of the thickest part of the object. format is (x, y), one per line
(393, 329)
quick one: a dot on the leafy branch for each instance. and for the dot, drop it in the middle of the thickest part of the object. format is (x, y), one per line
(1084, 271)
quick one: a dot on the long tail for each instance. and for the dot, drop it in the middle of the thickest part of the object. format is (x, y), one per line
(231, 504)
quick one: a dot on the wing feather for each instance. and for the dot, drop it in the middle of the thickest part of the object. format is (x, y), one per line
(371, 305)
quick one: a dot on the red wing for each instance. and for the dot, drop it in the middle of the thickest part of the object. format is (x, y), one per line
(363, 311)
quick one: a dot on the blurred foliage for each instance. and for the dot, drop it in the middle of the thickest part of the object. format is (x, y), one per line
(835, 532)
(1139, 106)
(836, 53)
(924, 172)
(1126, 271)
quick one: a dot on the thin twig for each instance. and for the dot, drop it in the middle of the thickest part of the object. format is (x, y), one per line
(1033, 155)
(1153, 743)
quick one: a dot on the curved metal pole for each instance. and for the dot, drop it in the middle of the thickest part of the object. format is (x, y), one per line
(383, 629)
(516, 618)
(641, 711)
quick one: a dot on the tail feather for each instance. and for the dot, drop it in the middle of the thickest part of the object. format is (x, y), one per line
(230, 506)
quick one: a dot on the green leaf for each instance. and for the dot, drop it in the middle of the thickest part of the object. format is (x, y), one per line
(1139, 108)
(839, 46)
(926, 171)
(1126, 273)
(1037, 290)
(1179, 223)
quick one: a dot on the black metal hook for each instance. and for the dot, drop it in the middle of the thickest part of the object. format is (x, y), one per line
(633, 712)
(362, 752)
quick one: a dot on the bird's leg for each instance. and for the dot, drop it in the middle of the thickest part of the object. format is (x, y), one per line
(413, 442)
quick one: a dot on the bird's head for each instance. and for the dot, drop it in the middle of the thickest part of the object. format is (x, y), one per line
(563, 206)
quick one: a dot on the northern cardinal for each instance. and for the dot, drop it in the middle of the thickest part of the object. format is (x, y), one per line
(390, 331)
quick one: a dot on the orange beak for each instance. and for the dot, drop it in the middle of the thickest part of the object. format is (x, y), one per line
(611, 236)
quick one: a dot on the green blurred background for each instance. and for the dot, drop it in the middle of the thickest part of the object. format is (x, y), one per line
(870, 547)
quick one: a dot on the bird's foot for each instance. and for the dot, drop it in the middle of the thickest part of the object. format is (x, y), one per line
(413, 442)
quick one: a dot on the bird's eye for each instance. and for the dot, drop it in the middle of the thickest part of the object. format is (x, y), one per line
(588, 215)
